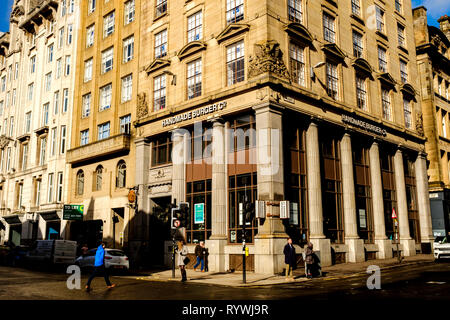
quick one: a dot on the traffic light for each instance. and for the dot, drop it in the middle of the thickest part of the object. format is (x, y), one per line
(175, 222)
(184, 209)
(249, 210)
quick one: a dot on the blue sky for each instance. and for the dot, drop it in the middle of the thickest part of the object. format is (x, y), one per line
(436, 9)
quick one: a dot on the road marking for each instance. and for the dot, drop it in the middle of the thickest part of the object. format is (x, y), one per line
(435, 282)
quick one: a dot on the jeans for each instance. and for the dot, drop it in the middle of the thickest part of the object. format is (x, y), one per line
(200, 260)
(289, 271)
(99, 271)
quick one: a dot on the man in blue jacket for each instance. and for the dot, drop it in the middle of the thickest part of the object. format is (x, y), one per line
(99, 268)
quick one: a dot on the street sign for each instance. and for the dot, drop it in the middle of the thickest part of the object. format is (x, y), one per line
(260, 208)
(199, 213)
(73, 212)
(394, 215)
(176, 223)
(284, 209)
(241, 213)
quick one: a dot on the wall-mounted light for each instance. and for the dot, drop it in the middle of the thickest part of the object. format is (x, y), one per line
(313, 75)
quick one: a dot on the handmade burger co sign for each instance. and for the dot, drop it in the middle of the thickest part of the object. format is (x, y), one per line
(194, 113)
(364, 125)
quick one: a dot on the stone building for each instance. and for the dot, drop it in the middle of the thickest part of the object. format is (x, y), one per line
(433, 54)
(101, 157)
(313, 102)
(37, 59)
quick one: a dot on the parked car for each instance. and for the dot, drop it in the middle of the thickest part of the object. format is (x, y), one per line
(52, 252)
(114, 259)
(441, 248)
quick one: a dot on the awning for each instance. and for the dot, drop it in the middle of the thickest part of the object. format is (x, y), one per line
(12, 220)
(50, 216)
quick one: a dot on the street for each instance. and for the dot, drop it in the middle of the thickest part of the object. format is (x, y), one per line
(427, 282)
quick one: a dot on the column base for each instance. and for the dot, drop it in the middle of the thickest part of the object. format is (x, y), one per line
(355, 250)
(384, 249)
(409, 247)
(216, 254)
(322, 247)
(269, 257)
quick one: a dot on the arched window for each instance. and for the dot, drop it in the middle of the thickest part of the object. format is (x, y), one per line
(98, 178)
(80, 182)
(121, 174)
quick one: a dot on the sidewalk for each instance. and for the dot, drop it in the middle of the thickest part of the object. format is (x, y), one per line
(235, 279)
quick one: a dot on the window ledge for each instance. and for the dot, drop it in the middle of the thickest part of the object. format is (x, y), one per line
(161, 16)
(403, 49)
(381, 34)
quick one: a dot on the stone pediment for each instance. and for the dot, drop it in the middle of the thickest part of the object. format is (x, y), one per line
(299, 31)
(156, 65)
(333, 50)
(363, 66)
(191, 48)
(232, 30)
(409, 90)
(387, 79)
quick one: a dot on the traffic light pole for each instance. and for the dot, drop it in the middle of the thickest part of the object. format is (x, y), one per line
(173, 255)
(243, 253)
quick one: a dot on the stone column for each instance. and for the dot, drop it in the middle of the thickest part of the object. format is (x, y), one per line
(218, 239)
(271, 237)
(178, 166)
(316, 236)
(408, 244)
(354, 243)
(384, 244)
(423, 200)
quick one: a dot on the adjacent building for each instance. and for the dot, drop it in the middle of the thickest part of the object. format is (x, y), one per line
(37, 64)
(314, 102)
(433, 54)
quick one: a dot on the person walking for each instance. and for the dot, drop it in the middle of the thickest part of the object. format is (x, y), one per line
(99, 268)
(200, 252)
(289, 259)
(182, 260)
(309, 259)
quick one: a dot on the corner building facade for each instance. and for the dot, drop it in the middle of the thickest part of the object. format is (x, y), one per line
(315, 102)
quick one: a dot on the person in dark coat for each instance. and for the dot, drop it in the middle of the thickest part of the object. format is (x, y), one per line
(200, 252)
(309, 259)
(289, 259)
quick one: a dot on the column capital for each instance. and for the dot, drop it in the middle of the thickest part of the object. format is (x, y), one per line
(142, 141)
(315, 120)
(268, 107)
(217, 121)
(177, 134)
(422, 154)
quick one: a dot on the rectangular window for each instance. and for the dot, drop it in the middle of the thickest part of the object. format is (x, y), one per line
(128, 49)
(50, 187)
(50, 53)
(159, 93)
(67, 69)
(84, 137)
(65, 100)
(9, 74)
(235, 63)
(129, 12)
(53, 142)
(403, 71)
(194, 78)
(58, 68)
(356, 7)
(380, 18)
(71, 6)
(24, 156)
(14, 97)
(11, 126)
(44, 120)
(86, 105)
(161, 7)
(107, 60)
(91, 6)
(3, 83)
(59, 192)
(48, 81)
(161, 150)
(295, 10)
(69, 34)
(1, 109)
(386, 104)
(332, 80)
(32, 67)
(55, 102)
(28, 122)
(42, 151)
(401, 35)
(103, 131)
(88, 70)
(8, 159)
(235, 11)
(444, 123)
(328, 28)
(398, 5)
(105, 97)
(161, 44)
(38, 192)
(382, 60)
(90, 35)
(108, 24)
(357, 44)
(195, 27)
(408, 113)
(30, 91)
(63, 7)
(16, 71)
(297, 63)
(8, 99)
(127, 88)
(125, 124)
(361, 93)
(61, 38)
(63, 140)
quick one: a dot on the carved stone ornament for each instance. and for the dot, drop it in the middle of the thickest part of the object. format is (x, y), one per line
(419, 123)
(268, 58)
(4, 141)
(142, 105)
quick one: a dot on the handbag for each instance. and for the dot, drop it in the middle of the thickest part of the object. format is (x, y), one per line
(186, 260)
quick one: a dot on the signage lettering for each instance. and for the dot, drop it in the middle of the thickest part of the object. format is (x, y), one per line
(194, 113)
(364, 125)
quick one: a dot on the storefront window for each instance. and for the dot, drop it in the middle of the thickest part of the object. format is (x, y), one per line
(198, 195)
(244, 133)
(296, 192)
(332, 189)
(162, 150)
(411, 197)
(389, 194)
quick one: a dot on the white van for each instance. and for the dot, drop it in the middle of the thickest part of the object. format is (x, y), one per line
(53, 251)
